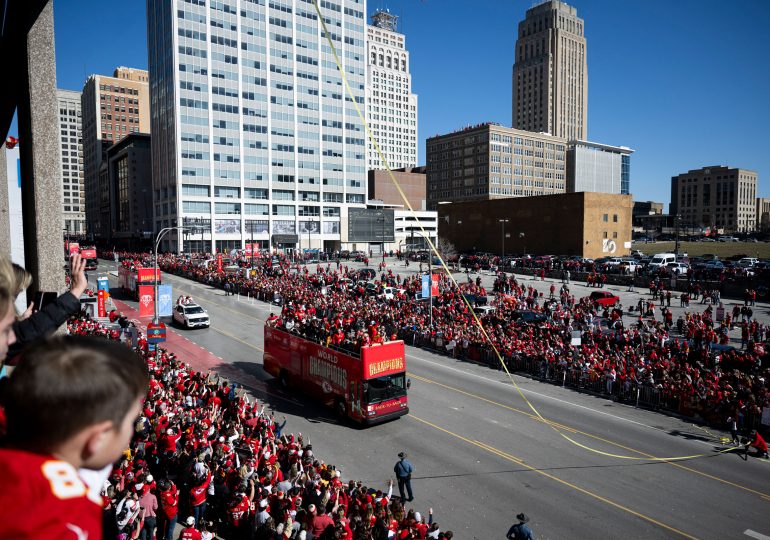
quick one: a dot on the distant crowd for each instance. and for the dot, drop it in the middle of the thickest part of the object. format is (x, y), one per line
(688, 360)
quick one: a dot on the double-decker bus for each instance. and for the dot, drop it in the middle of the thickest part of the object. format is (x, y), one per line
(367, 386)
(130, 279)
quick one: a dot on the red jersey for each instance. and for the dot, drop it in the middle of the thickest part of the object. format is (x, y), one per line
(42, 497)
(198, 493)
(239, 513)
(190, 533)
(169, 502)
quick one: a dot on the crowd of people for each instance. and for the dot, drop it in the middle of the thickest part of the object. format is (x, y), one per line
(91, 428)
(688, 360)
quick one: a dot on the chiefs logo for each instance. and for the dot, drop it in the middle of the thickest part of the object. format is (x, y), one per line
(146, 299)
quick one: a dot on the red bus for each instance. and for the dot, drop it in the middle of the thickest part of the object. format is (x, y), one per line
(130, 279)
(369, 387)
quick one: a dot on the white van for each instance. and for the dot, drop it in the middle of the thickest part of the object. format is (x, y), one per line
(661, 259)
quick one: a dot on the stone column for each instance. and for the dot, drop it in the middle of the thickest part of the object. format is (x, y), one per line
(38, 117)
(5, 214)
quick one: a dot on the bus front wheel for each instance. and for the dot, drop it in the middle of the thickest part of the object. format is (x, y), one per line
(341, 408)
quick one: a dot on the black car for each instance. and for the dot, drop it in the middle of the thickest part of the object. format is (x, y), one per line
(528, 317)
(367, 273)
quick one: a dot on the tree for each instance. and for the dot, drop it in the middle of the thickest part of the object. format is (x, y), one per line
(446, 249)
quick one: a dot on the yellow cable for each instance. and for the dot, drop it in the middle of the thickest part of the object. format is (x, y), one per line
(449, 274)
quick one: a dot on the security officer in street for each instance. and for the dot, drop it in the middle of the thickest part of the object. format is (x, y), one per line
(404, 470)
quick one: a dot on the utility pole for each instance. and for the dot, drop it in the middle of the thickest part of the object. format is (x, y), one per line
(502, 253)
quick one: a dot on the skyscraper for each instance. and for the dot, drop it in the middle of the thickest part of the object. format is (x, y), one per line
(70, 136)
(112, 107)
(550, 75)
(391, 107)
(253, 136)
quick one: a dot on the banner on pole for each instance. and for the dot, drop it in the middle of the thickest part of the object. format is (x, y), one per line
(165, 305)
(100, 299)
(146, 301)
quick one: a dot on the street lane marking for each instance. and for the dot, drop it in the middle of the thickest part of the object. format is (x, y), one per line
(596, 437)
(755, 534)
(532, 416)
(518, 461)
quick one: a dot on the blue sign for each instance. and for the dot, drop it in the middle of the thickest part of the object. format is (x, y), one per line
(103, 283)
(425, 286)
(165, 304)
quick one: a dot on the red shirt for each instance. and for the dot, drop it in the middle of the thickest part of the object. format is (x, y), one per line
(198, 493)
(240, 512)
(190, 533)
(42, 497)
(169, 502)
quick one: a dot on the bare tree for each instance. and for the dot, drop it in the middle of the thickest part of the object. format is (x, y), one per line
(446, 249)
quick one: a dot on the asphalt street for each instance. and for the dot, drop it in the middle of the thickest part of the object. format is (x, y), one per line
(485, 449)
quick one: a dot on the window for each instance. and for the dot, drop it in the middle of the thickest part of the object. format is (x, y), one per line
(227, 208)
(255, 193)
(614, 218)
(605, 218)
(283, 195)
(226, 191)
(196, 207)
(605, 234)
(195, 190)
(283, 210)
(256, 209)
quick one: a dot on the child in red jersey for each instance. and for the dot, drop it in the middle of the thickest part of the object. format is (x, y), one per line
(70, 404)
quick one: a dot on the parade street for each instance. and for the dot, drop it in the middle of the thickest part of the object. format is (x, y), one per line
(578, 465)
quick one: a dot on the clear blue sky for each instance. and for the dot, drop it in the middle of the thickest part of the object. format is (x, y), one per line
(685, 83)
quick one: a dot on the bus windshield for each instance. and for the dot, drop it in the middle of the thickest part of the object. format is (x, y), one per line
(383, 388)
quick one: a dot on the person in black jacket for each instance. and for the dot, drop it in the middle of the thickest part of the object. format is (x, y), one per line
(45, 321)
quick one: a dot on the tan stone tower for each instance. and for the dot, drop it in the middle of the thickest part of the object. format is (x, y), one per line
(550, 74)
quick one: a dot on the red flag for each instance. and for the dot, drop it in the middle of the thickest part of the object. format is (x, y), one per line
(219, 263)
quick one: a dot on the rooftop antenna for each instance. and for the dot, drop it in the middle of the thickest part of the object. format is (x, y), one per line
(385, 19)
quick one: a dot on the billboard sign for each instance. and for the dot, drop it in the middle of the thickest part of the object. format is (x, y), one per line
(371, 225)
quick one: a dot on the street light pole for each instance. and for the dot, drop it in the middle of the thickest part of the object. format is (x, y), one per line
(676, 229)
(252, 245)
(383, 238)
(161, 233)
(503, 222)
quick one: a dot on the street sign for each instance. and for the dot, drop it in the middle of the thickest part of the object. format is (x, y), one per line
(156, 333)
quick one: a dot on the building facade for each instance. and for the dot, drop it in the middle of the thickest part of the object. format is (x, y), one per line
(489, 161)
(598, 167)
(112, 108)
(585, 224)
(252, 133)
(129, 174)
(391, 107)
(763, 214)
(13, 214)
(715, 197)
(70, 136)
(550, 73)
(411, 180)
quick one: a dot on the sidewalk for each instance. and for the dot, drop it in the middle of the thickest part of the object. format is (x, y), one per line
(197, 357)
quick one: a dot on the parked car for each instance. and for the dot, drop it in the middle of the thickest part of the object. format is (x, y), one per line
(528, 317)
(728, 239)
(482, 311)
(678, 267)
(661, 259)
(604, 298)
(748, 262)
(191, 316)
(714, 265)
(389, 293)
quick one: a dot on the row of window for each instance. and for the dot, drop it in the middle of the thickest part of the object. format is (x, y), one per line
(203, 207)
